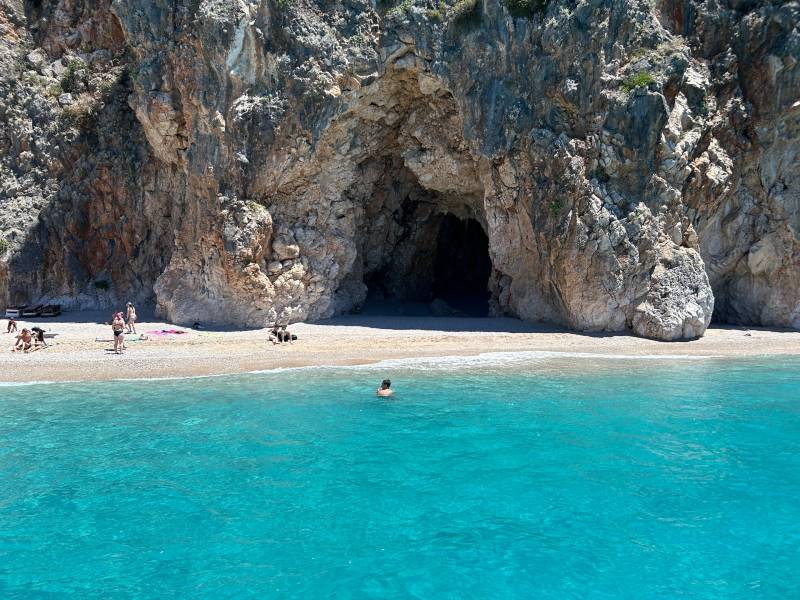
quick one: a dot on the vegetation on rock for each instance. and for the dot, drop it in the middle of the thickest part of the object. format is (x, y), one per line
(71, 77)
(401, 8)
(463, 10)
(526, 8)
(640, 79)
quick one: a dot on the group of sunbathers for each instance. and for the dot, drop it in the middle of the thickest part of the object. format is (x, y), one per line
(27, 340)
(280, 334)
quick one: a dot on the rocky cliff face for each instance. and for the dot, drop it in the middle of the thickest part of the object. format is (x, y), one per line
(627, 164)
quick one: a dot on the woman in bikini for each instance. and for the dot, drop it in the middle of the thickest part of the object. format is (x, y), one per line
(118, 327)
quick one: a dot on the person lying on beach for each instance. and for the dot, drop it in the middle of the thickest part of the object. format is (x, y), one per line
(118, 327)
(385, 389)
(12, 326)
(23, 342)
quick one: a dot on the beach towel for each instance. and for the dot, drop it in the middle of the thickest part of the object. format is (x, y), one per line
(166, 332)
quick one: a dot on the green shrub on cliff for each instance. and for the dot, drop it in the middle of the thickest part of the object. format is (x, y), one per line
(3, 246)
(54, 90)
(640, 79)
(526, 8)
(437, 13)
(463, 10)
(401, 8)
(69, 79)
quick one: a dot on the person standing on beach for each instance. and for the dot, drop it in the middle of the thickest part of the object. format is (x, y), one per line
(12, 326)
(131, 318)
(118, 327)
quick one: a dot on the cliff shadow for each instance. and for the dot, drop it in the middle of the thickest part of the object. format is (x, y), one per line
(428, 322)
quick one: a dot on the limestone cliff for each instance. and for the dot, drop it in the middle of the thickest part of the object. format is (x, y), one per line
(628, 164)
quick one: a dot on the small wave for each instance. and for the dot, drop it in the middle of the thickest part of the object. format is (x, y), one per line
(485, 359)
(24, 383)
(424, 363)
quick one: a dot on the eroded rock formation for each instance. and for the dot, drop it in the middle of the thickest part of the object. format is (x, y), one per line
(611, 162)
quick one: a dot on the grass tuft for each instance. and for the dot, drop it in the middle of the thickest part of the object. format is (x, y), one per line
(463, 10)
(69, 79)
(401, 8)
(640, 79)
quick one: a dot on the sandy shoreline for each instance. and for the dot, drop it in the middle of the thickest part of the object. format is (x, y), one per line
(352, 340)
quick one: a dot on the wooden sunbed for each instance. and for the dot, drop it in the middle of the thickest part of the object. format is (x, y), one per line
(14, 312)
(34, 311)
(51, 310)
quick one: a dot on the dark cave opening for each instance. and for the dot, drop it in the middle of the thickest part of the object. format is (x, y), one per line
(462, 266)
(418, 207)
(443, 271)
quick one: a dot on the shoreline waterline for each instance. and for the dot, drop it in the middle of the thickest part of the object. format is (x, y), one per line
(501, 360)
(81, 353)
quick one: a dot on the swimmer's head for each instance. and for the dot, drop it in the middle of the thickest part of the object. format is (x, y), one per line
(386, 384)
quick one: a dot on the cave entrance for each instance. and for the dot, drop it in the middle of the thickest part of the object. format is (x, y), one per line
(442, 269)
(462, 266)
(419, 222)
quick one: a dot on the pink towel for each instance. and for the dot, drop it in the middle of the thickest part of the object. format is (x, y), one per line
(166, 332)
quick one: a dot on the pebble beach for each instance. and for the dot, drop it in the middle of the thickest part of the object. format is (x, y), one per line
(82, 350)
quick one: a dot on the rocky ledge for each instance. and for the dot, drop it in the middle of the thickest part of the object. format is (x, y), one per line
(605, 165)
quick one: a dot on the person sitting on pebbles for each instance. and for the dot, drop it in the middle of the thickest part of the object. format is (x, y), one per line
(23, 342)
(275, 335)
(38, 338)
(279, 334)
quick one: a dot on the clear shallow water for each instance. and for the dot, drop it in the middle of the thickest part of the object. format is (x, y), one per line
(549, 479)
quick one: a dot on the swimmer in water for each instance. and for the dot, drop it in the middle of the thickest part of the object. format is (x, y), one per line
(385, 389)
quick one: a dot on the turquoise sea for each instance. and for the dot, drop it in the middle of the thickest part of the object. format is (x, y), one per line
(508, 476)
